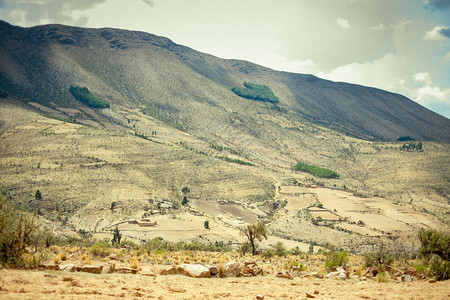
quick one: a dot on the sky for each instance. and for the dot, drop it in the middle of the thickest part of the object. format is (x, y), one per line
(402, 46)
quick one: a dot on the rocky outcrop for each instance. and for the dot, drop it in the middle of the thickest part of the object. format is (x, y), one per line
(94, 269)
(250, 268)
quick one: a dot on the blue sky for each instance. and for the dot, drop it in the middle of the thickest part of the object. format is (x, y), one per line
(401, 46)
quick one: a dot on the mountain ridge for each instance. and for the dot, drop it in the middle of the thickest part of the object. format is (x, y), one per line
(359, 111)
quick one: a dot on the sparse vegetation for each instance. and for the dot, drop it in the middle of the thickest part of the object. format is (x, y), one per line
(82, 94)
(257, 92)
(315, 170)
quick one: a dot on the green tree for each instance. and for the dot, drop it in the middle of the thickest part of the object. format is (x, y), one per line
(113, 205)
(206, 224)
(254, 232)
(117, 236)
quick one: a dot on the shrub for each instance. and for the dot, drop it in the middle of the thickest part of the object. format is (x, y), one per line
(16, 231)
(315, 170)
(255, 91)
(82, 94)
(294, 264)
(382, 277)
(280, 249)
(335, 259)
(378, 259)
(435, 249)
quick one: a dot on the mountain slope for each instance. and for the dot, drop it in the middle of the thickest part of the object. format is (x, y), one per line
(142, 69)
(174, 122)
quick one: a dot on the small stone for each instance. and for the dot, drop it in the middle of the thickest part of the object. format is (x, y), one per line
(308, 295)
(316, 292)
(432, 281)
(285, 275)
(259, 297)
(406, 278)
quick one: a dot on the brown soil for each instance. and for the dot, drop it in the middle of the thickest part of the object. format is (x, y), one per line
(21, 284)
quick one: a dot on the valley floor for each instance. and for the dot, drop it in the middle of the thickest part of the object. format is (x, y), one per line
(21, 284)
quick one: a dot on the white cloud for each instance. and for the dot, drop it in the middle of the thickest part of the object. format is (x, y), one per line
(435, 34)
(422, 77)
(447, 56)
(343, 23)
(429, 92)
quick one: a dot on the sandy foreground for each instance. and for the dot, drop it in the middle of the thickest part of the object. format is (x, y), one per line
(21, 284)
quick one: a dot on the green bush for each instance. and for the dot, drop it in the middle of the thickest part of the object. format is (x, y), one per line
(435, 250)
(255, 91)
(378, 259)
(82, 94)
(17, 229)
(335, 259)
(315, 170)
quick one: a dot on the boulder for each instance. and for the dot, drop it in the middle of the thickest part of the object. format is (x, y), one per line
(94, 269)
(67, 267)
(250, 268)
(412, 272)
(113, 256)
(173, 270)
(196, 271)
(372, 271)
(109, 268)
(232, 269)
(285, 275)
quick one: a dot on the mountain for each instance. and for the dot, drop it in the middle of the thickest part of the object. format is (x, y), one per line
(137, 68)
(173, 121)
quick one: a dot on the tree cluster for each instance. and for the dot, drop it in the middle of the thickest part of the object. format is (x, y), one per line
(315, 170)
(255, 91)
(412, 147)
(82, 94)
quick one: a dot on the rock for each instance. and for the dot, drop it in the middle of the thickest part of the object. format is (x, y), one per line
(113, 256)
(406, 278)
(250, 268)
(52, 267)
(125, 270)
(372, 271)
(312, 274)
(259, 297)
(67, 268)
(94, 269)
(332, 274)
(196, 271)
(285, 275)
(213, 270)
(308, 295)
(412, 272)
(232, 269)
(432, 281)
(169, 271)
(110, 268)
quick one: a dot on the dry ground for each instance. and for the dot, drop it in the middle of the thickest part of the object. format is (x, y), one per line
(20, 284)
